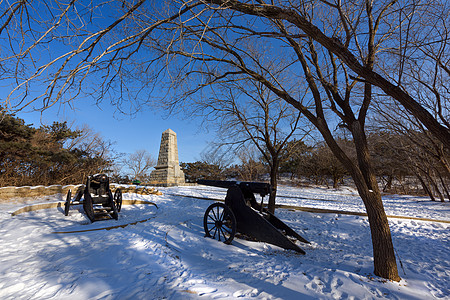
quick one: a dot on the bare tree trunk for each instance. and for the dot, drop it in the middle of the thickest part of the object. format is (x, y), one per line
(388, 185)
(383, 250)
(336, 180)
(438, 191)
(274, 184)
(434, 185)
(425, 187)
(444, 186)
(385, 264)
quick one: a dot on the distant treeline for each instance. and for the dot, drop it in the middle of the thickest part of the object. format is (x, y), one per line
(402, 165)
(412, 163)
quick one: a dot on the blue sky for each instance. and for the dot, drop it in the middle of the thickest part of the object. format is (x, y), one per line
(142, 131)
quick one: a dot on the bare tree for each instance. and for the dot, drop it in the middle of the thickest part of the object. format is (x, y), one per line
(135, 24)
(139, 162)
(326, 165)
(245, 112)
(216, 157)
(250, 168)
(408, 140)
(330, 85)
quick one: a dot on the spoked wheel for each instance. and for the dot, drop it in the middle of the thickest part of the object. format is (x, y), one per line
(78, 196)
(115, 213)
(118, 199)
(88, 206)
(219, 223)
(67, 204)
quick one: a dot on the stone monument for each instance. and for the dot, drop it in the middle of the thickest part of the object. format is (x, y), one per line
(168, 172)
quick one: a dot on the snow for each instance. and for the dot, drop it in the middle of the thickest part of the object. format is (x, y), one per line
(164, 255)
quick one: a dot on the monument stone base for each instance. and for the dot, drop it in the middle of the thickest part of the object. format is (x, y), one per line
(167, 172)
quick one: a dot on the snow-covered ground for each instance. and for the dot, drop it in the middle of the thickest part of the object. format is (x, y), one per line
(167, 256)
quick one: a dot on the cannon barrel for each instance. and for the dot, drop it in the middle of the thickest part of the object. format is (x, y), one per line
(261, 188)
(217, 183)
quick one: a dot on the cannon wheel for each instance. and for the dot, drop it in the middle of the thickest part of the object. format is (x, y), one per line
(118, 199)
(78, 196)
(67, 204)
(88, 206)
(219, 223)
(115, 213)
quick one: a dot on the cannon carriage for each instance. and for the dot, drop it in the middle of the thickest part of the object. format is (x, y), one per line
(242, 213)
(98, 201)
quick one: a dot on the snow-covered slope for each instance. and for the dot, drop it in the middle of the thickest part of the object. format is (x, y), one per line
(168, 257)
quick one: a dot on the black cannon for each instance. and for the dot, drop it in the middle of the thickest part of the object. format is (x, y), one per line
(241, 213)
(99, 201)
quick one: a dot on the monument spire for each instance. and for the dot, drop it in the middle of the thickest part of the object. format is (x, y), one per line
(168, 172)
